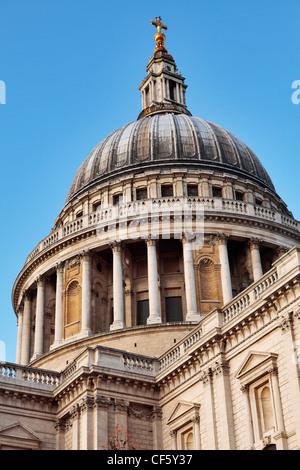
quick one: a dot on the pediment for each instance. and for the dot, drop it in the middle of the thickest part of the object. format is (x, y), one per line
(18, 431)
(181, 410)
(254, 361)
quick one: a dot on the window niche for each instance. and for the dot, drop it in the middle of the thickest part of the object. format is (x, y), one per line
(72, 314)
(184, 426)
(258, 377)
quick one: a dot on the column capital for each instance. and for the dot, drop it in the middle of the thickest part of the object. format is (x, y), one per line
(254, 243)
(20, 310)
(281, 250)
(185, 240)
(151, 241)
(40, 281)
(27, 294)
(60, 266)
(116, 246)
(273, 370)
(86, 255)
(222, 238)
(101, 402)
(245, 389)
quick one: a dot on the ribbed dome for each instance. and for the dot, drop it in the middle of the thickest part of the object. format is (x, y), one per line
(169, 140)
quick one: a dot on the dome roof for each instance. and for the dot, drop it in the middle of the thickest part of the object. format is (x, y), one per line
(168, 140)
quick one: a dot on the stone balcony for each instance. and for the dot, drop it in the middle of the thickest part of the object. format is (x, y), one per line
(108, 217)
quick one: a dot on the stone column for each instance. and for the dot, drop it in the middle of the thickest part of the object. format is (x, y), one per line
(249, 423)
(153, 291)
(256, 260)
(225, 269)
(26, 330)
(118, 287)
(86, 311)
(58, 335)
(190, 285)
(19, 337)
(39, 319)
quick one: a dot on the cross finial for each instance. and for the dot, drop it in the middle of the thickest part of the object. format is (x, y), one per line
(159, 36)
(158, 24)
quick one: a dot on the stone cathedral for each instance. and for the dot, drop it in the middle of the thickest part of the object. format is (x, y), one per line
(166, 298)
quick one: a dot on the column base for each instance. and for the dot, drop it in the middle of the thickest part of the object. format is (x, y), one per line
(154, 319)
(193, 316)
(56, 344)
(85, 333)
(117, 325)
(35, 356)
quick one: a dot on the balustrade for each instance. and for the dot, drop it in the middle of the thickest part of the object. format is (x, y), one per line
(14, 373)
(113, 214)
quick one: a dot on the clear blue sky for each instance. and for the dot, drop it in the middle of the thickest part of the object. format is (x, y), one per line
(72, 70)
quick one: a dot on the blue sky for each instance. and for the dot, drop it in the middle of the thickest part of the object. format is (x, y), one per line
(72, 70)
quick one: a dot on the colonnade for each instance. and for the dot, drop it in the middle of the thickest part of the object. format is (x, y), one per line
(192, 314)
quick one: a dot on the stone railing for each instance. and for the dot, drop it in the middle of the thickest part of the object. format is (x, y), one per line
(284, 269)
(15, 374)
(105, 216)
(263, 288)
(112, 359)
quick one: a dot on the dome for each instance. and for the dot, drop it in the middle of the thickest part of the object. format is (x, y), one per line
(169, 140)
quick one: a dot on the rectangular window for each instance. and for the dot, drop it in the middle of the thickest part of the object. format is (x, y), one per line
(141, 194)
(217, 192)
(117, 199)
(239, 196)
(173, 309)
(96, 206)
(147, 97)
(172, 88)
(167, 191)
(192, 190)
(142, 312)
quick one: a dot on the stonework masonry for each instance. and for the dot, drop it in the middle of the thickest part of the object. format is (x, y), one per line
(232, 382)
(165, 299)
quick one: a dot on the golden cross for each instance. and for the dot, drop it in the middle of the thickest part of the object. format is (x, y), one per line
(158, 24)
